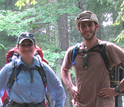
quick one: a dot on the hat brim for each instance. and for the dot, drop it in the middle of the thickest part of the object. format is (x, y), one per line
(83, 20)
(25, 39)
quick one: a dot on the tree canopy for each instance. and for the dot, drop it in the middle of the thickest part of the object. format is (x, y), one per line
(40, 16)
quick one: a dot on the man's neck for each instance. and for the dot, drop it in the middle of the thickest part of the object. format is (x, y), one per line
(90, 43)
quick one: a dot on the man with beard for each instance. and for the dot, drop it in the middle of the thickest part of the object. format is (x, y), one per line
(92, 77)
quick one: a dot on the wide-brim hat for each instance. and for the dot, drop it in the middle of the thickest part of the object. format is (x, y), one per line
(86, 16)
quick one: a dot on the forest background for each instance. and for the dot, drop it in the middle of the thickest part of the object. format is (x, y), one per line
(53, 24)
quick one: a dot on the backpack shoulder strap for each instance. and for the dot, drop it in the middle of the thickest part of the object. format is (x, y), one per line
(14, 75)
(41, 71)
(16, 70)
(74, 53)
(102, 51)
(42, 74)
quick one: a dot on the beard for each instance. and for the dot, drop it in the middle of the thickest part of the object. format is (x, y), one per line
(94, 32)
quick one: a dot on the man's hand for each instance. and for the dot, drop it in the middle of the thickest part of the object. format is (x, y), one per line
(75, 95)
(107, 92)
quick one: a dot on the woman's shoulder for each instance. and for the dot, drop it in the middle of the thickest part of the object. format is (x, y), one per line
(7, 68)
(9, 65)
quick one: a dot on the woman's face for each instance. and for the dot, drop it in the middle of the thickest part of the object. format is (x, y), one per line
(26, 48)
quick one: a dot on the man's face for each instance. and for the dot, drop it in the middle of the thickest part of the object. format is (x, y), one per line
(88, 29)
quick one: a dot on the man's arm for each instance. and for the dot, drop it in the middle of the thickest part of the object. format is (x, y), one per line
(65, 74)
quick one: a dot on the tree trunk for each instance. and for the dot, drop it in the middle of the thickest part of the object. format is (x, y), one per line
(62, 43)
(64, 32)
(64, 46)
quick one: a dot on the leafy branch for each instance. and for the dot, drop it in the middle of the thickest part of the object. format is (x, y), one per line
(22, 3)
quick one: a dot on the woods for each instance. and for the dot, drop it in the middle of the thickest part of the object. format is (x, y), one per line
(53, 24)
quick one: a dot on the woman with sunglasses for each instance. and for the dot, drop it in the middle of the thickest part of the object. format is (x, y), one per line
(28, 90)
(92, 87)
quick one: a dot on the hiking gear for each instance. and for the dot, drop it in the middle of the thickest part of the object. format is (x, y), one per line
(86, 16)
(100, 48)
(24, 36)
(14, 54)
(23, 91)
(117, 89)
(85, 58)
(15, 104)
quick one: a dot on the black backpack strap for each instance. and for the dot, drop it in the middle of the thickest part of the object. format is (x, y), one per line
(16, 71)
(102, 52)
(41, 71)
(12, 79)
(42, 74)
(19, 68)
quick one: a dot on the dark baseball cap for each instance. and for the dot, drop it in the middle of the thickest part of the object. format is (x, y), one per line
(86, 16)
(26, 35)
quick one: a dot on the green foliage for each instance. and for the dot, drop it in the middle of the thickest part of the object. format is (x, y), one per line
(22, 3)
(110, 2)
(72, 72)
(15, 22)
(120, 15)
(7, 42)
(120, 36)
(51, 56)
(119, 21)
(2, 46)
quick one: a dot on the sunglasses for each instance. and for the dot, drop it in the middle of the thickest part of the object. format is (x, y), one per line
(26, 45)
(85, 58)
(27, 35)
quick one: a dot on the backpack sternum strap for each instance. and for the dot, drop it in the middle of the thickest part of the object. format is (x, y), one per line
(16, 71)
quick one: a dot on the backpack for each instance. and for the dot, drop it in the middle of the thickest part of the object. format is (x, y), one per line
(115, 77)
(12, 55)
